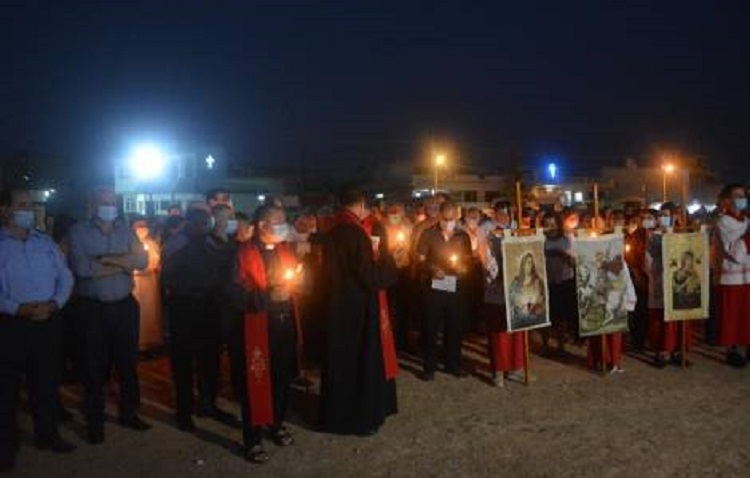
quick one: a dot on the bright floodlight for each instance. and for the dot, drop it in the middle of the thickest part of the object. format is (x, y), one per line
(668, 168)
(552, 167)
(440, 159)
(147, 162)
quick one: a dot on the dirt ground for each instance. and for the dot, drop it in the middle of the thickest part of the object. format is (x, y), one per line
(569, 422)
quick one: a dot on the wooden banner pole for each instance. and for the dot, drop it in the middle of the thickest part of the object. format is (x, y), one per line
(519, 215)
(519, 203)
(595, 225)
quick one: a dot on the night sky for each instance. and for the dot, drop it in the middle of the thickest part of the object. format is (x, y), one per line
(328, 83)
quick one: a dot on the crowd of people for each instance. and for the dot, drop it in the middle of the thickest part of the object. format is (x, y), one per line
(344, 292)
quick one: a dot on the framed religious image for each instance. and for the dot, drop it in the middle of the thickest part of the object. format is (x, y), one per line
(525, 280)
(686, 288)
(602, 281)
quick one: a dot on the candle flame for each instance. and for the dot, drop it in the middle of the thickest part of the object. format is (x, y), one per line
(145, 247)
(627, 247)
(454, 258)
(401, 237)
(289, 274)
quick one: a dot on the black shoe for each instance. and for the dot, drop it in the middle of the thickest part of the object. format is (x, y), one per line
(369, 432)
(257, 454)
(460, 373)
(186, 425)
(95, 435)
(427, 376)
(736, 360)
(134, 423)
(659, 362)
(55, 444)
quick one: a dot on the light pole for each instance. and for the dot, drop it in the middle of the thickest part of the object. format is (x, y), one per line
(439, 161)
(666, 169)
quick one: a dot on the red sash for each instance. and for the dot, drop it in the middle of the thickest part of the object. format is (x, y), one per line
(257, 351)
(388, 345)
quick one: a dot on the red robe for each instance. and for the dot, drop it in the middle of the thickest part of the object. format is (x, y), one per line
(614, 350)
(664, 336)
(257, 349)
(507, 348)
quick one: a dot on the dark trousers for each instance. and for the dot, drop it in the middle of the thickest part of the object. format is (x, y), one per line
(638, 319)
(282, 340)
(195, 330)
(443, 310)
(33, 350)
(400, 300)
(110, 337)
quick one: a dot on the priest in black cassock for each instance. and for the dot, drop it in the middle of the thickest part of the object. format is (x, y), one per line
(356, 392)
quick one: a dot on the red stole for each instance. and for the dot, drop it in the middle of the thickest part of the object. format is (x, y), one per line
(388, 345)
(257, 351)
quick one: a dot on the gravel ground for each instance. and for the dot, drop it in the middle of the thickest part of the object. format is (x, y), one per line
(569, 422)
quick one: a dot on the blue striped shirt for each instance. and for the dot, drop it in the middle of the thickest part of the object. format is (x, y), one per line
(31, 270)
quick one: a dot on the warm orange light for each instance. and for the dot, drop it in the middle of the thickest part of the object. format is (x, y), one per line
(454, 259)
(145, 247)
(400, 237)
(627, 247)
(440, 159)
(289, 274)
(668, 168)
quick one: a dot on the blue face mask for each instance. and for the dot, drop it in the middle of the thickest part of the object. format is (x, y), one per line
(231, 226)
(23, 219)
(665, 221)
(740, 204)
(106, 213)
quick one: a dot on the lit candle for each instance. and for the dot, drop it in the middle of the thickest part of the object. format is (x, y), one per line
(289, 275)
(145, 247)
(400, 237)
(627, 247)
(454, 260)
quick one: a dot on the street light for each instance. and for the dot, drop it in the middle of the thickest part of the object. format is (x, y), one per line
(147, 162)
(439, 161)
(666, 169)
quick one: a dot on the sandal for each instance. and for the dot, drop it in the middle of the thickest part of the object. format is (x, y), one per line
(257, 454)
(282, 437)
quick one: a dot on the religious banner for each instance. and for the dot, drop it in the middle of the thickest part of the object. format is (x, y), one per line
(602, 280)
(685, 278)
(525, 280)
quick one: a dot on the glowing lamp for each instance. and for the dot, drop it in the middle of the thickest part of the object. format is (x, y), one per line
(147, 162)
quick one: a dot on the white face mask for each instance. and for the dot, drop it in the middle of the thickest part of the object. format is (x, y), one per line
(280, 231)
(232, 226)
(106, 213)
(448, 226)
(649, 224)
(740, 204)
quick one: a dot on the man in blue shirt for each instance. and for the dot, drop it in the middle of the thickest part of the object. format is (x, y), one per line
(34, 284)
(104, 253)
